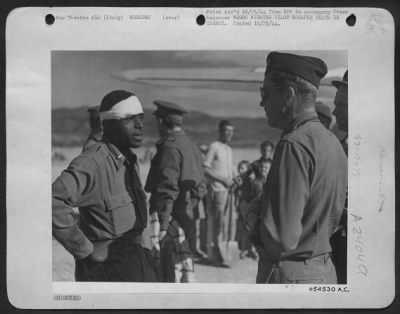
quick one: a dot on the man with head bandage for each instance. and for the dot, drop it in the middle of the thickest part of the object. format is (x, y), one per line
(103, 182)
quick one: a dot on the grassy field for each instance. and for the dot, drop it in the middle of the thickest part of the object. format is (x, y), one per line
(241, 271)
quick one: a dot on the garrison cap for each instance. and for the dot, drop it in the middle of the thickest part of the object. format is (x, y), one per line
(166, 108)
(309, 68)
(343, 82)
(323, 110)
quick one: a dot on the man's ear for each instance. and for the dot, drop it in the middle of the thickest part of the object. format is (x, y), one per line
(290, 95)
(290, 98)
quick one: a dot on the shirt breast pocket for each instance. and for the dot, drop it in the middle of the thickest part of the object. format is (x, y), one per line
(121, 212)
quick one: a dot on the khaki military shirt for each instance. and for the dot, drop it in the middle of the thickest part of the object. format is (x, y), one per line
(305, 192)
(105, 186)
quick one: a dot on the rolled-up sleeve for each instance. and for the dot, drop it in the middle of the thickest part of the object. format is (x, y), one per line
(289, 192)
(166, 191)
(73, 188)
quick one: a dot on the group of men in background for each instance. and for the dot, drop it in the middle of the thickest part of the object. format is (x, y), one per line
(290, 208)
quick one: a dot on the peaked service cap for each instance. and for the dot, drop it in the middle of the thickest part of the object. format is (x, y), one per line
(166, 108)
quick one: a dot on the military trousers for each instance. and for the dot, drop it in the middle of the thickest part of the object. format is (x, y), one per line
(126, 261)
(316, 270)
(203, 228)
(242, 235)
(215, 212)
(176, 263)
(198, 243)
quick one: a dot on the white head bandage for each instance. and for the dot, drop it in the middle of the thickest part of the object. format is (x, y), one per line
(123, 109)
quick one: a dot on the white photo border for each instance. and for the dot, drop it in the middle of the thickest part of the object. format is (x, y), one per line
(370, 46)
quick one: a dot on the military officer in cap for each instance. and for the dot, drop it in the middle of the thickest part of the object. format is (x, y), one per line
(96, 130)
(176, 183)
(339, 239)
(303, 197)
(103, 182)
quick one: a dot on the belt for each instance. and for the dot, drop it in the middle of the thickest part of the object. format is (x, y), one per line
(276, 264)
(131, 239)
(101, 248)
(132, 236)
(323, 258)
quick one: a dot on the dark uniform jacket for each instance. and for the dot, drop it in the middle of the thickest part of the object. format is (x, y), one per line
(105, 185)
(175, 178)
(304, 195)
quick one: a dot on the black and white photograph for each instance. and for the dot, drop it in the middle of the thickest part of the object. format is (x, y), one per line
(203, 130)
(202, 158)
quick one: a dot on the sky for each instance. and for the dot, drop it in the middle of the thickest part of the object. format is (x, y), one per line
(82, 78)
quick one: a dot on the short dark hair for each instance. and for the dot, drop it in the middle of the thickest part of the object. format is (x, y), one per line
(224, 123)
(243, 162)
(266, 144)
(113, 98)
(107, 103)
(304, 88)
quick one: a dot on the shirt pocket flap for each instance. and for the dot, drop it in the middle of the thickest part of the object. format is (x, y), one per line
(121, 213)
(118, 201)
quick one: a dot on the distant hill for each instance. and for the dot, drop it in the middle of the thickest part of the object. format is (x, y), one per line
(70, 127)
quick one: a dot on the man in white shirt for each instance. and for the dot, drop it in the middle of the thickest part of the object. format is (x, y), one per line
(218, 169)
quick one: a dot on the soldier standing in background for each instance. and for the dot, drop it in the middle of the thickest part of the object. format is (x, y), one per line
(175, 182)
(339, 239)
(303, 198)
(103, 182)
(218, 167)
(96, 130)
(200, 249)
